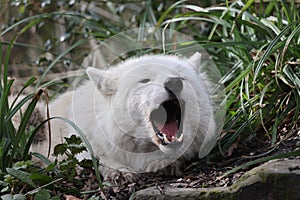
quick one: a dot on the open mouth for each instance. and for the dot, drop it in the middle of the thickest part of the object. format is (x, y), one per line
(166, 121)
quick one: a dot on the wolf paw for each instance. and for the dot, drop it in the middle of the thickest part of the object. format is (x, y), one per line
(173, 169)
(118, 177)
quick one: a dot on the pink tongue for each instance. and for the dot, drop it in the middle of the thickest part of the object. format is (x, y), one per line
(169, 129)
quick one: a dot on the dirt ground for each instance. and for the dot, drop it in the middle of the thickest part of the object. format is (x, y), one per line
(200, 174)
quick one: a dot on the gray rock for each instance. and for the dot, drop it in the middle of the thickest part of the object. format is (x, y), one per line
(274, 180)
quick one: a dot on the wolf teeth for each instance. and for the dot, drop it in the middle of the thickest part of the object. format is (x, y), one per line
(164, 139)
(160, 135)
(180, 137)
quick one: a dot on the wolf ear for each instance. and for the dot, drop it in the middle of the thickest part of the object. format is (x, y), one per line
(195, 60)
(105, 81)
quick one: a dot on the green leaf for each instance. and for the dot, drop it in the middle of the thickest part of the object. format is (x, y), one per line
(42, 194)
(4, 186)
(19, 197)
(22, 176)
(55, 198)
(76, 148)
(73, 139)
(7, 197)
(88, 146)
(41, 178)
(13, 197)
(86, 163)
(60, 149)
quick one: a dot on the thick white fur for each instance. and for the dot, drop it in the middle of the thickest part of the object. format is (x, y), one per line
(113, 109)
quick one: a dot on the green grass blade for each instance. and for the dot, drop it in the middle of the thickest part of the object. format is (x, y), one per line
(33, 135)
(6, 61)
(297, 109)
(164, 15)
(287, 9)
(232, 138)
(15, 109)
(248, 4)
(41, 157)
(270, 49)
(239, 78)
(4, 148)
(261, 160)
(4, 109)
(28, 83)
(21, 133)
(1, 66)
(288, 43)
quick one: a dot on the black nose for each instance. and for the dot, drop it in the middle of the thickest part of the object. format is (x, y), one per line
(173, 84)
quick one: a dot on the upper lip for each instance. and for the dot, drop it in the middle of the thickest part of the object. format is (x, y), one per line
(167, 119)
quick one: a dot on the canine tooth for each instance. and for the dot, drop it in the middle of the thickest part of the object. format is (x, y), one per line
(180, 138)
(160, 135)
(163, 142)
(166, 139)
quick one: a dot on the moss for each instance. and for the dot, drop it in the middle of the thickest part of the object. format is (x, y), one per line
(215, 194)
(272, 180)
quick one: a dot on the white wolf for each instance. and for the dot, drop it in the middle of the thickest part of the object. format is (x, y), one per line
(142, 115)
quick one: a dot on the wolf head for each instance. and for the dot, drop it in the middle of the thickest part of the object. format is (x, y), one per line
(160, 99)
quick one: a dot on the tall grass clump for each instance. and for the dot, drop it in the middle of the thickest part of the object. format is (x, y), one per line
(257, 48)
(17, 171)
(15, 138)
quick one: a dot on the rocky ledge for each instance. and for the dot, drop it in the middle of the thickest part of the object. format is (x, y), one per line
(277, 179)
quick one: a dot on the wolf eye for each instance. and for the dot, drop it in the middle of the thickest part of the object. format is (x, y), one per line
(146, 80)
